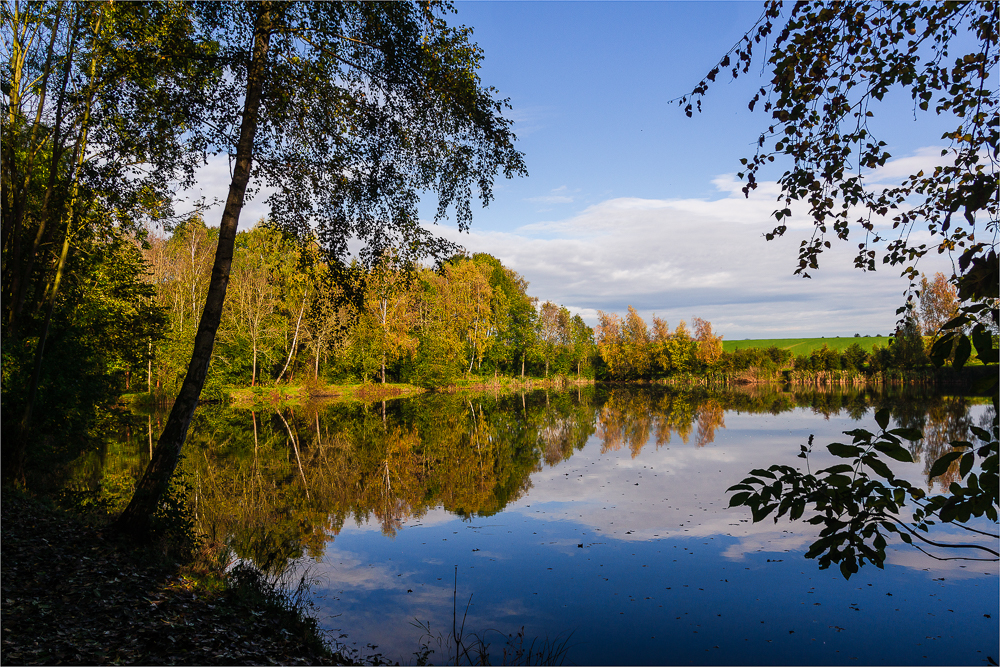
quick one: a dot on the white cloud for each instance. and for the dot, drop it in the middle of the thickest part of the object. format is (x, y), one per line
(897, 169)
(696, 257)
(552, 199)
(556, 196)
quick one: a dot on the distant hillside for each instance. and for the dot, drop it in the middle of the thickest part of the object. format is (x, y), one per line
(806, 345)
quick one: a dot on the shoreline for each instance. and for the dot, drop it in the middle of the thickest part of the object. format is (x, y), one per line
(945, 378)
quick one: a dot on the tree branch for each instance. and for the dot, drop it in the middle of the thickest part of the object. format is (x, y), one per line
(943, 544)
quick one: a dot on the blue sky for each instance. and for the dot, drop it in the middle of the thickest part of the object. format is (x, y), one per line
(629, 202)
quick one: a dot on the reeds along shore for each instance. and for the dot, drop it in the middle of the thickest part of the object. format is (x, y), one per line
(950, 378)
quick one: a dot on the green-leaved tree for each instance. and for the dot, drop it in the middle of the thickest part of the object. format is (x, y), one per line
(349, 111)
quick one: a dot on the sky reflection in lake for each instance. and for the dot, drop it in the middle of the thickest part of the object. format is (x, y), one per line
(636, 554)
(600, 512)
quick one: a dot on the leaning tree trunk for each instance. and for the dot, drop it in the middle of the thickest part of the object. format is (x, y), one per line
(135, 520)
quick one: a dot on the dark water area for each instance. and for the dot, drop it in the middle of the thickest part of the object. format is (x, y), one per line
(596, 516)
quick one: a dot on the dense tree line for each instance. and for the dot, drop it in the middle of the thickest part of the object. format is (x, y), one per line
(293, 315)
(75, 188)
(631, 350)
(110, 110)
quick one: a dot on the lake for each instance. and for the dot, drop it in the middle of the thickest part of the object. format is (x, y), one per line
(592, 520)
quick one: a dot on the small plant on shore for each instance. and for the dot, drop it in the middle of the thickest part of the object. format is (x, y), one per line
(472, 648)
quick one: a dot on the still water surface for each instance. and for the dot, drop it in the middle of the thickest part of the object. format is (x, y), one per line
(594, 515)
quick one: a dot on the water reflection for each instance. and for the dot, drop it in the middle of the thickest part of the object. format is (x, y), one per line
(280, 484)
(598, 509)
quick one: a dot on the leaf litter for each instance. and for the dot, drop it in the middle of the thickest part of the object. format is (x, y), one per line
(72, 595)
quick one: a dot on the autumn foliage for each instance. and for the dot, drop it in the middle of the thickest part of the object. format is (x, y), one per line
(630, 351)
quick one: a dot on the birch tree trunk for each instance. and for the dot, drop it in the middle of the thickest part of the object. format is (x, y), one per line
(295, 337)
(135, 520)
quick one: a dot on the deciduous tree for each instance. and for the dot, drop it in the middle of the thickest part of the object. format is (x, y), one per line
(635, 335)
(938, 303)
(349, 111)
(73, 178)
(250, 310)
(384, 328)
(709, 343)
(550, 332)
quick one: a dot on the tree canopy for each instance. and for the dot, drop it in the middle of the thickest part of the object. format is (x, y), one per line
(99, 102)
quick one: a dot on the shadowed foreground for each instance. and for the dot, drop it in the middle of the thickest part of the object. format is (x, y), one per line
(69, 595)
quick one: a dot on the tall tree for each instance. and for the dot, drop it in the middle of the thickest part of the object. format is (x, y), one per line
(383, 331)
(514, 315)
(476, 305)
(250, 311)
(350, 111)
(609, 342)
(549, 332)
(636, 344)
(582, 343)
(680, 351)
(709, 343)
(73, 178)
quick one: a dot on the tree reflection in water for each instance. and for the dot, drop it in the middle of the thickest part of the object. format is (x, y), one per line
(277, 485)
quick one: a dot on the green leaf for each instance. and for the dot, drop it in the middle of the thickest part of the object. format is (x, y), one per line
(739, 487)
(882, 418)
(844, 451)
(956, 322)
(942, 349)
(763, 473)
(843, 467)
(739, 499)
(760, 514)
(980, 433)
(838, 480)
(894, 451)
(879, 467)
(984, 345)
(905, 537)
(908, 433)
(942, 464)
(962, 352)
(949, 511)
(966, 465)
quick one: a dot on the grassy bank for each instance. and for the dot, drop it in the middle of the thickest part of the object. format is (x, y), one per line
(807, 345)
(297, 394)
(74, 594)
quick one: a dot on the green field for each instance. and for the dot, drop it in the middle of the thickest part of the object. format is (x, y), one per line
(807, 345)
